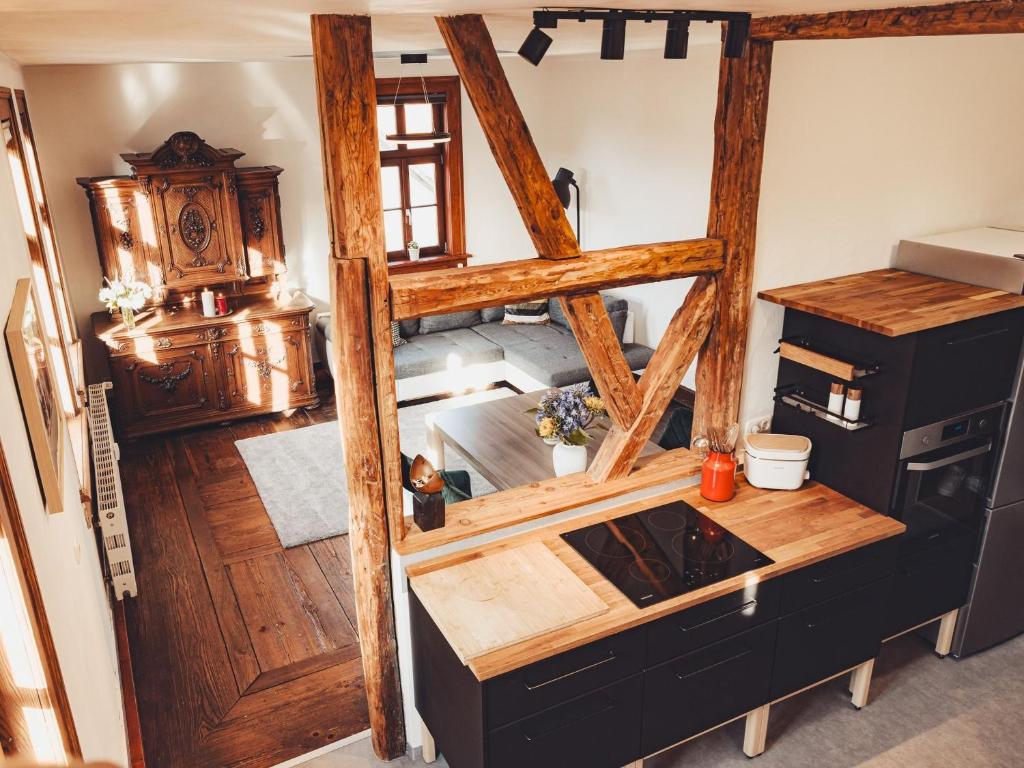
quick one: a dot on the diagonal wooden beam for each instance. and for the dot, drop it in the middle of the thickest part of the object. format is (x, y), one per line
(488, 285)
(502, 121)
(735, 190)
(987, 17)
(593, 329)
(364, 381)
(676, 351)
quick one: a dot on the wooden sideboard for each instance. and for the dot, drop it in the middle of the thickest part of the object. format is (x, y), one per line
(177, 368)
(185, 220)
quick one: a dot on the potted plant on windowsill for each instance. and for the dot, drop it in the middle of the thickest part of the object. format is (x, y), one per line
(414, 250)
(562, 417)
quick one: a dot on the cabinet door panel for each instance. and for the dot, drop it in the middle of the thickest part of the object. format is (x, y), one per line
(707, 687)
(827, 638)
(196, 227)
(598, 730)
(267, 370)
(838, 574)
(259, 205)
(163, 385)
(929, 583)
(126, 235)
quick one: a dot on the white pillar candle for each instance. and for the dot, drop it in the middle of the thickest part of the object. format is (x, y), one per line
(209, 307)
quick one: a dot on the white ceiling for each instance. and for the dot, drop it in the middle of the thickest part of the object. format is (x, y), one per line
(109, 31)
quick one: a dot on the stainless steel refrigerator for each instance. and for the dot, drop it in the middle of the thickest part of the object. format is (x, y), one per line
(992, 257)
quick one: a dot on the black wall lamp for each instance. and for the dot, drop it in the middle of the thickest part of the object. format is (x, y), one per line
(613, 31)
(563, 182)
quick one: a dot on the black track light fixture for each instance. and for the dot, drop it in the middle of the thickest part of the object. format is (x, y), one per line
(613, 37)
(564, 182)
(613, 32)
(677, 38)
(535, 46)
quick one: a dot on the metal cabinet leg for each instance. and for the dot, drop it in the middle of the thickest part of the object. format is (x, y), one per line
(756, 733)
(860, 683)
(944, 642)
(429, 748)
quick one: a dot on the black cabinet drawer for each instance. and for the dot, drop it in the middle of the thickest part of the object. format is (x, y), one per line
(929, 583)
(827, 638)
(599, 730)
(695, 627)
(707, 687)
(837, 575)
(552, 681)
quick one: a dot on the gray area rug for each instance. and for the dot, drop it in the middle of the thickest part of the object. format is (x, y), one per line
(300, 474)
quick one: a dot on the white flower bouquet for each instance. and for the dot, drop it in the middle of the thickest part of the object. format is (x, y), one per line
(126, 297)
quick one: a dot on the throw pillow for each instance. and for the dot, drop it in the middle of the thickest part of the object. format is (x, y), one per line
(529, 313)
(492, 314)
(396, 335)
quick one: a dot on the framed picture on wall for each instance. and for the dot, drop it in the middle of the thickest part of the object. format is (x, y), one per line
(37, 388)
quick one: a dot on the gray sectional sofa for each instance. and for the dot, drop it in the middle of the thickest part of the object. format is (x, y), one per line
(450, 353)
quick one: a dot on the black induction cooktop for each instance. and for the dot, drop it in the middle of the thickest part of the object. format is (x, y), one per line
(663, 552)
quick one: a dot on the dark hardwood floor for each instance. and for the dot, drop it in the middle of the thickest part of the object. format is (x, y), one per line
(243, 653)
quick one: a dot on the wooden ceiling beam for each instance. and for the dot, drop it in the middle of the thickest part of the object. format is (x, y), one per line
(363, 361)
(987, 17)
(594, 333)
(486, 285)
(506, 131)
(675, 353)
(735, 190)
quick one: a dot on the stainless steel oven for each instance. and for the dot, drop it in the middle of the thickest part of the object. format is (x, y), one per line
(945, 476)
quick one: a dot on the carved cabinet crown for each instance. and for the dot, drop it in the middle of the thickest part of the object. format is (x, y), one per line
(187, 217)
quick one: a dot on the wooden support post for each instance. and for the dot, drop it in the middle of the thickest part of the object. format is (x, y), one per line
(944, 642)
(755, 734)
(985, 17)
(429, 747)
(608, 366)
(503, 124)
(676, 351)
(346, 99)
(735, 188)
(860, 683)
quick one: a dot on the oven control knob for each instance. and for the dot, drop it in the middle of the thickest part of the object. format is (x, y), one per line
(926, 440)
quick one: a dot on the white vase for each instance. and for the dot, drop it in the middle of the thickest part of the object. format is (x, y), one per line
(568, 459)
(414, 254)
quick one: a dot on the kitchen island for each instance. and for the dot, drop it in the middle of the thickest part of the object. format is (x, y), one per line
(625, 682)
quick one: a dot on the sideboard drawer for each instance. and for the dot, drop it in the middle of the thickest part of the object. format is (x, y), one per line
(827, 638)
(599, 730)
(837, 575)
(555, 680)
(707, 687)
(695, 627)
(205, 331)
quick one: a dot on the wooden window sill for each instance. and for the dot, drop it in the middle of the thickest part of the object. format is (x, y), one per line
(426, 263)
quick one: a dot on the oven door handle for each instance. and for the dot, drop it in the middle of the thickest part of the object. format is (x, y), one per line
(925, 466)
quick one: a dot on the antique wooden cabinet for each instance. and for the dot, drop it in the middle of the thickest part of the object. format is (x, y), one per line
(185, 220)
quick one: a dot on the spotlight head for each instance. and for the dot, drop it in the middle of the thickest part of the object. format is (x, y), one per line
(613, 38)
(736, 32)
(562, 181)
(677, 38)
(535, 46)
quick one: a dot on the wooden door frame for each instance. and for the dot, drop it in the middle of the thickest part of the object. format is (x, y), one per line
(364, 301)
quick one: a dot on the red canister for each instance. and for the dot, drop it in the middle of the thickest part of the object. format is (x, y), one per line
(221, 302)
(718, 477)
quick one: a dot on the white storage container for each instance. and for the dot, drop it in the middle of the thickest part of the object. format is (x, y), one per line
(777, 462)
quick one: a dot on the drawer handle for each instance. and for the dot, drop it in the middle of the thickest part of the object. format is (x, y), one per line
(740, 655)
(976, 337)
(607, 660)
(845, 571)
(745, 606)
(828, 620)
(562, 726)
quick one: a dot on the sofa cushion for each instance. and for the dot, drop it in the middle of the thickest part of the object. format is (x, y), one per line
(506, 336)
(449, 322)
(557, 362)
(433, 352)
(616, 308)
(492, 314)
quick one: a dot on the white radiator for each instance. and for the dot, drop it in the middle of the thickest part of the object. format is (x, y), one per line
(109, 498)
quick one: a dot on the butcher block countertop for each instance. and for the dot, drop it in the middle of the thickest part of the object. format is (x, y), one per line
(793, 528)
(893, 302)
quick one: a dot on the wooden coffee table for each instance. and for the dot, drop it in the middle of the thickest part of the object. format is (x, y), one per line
(497, 438)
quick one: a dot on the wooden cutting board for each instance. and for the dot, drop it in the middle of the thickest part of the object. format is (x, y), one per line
(501, 599)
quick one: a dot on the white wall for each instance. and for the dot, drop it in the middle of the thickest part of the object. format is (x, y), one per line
(63, 548)
(638, 133)
(871, 141)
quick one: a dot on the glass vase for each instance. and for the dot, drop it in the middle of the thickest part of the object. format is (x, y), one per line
(128, 317)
